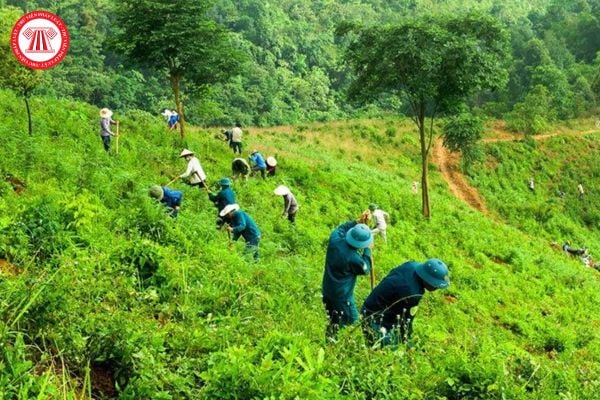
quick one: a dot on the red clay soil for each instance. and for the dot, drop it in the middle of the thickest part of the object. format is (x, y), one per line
(450, 299)
(448, 164)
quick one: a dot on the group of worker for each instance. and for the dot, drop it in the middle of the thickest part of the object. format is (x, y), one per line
(561, 194)
(238, 222)
(390, 308)
(266, 167)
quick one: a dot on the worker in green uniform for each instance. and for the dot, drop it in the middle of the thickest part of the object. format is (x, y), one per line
(348, 255)
(389, 311)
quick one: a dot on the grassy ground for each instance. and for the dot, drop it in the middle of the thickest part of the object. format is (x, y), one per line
(79, 320)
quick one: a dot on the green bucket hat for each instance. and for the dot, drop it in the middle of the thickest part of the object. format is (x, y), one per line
(372, 206)
(225, 182)
(434, 272)
(156, 192)
(359, 237)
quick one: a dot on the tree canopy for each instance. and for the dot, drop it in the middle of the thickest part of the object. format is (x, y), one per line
(177, 37)
(292, 71)
(433, 62)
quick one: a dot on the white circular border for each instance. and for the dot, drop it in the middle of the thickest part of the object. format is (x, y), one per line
(57, 23)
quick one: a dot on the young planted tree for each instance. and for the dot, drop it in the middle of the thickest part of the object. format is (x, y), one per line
(432, 63)
(13, 74)
(178, 37)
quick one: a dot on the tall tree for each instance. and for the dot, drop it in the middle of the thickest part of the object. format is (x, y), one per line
(13, 74)
(431, 62)
(178, 37)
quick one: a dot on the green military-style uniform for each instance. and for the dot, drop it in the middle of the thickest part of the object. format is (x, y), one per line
(343, 264)
(224, 197)
(393, 304)
(243, 225)
(389, 311)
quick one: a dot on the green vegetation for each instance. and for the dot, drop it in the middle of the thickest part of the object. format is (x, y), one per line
(557, 163)
(293, 71)
(13, 74)
(178, 37)
(432, 63)
(462, 134)
(103, 295)
(107, 296)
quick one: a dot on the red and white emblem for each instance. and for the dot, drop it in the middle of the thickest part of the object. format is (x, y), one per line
(40, 40)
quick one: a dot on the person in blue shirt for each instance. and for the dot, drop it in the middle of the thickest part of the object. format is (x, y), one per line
(170, 198)
(389, 311)
(173, 120)
(343, 263)
(222, 199)
(241, 224)
(258, 163)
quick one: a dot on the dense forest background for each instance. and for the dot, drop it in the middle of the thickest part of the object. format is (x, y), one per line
(294, 71)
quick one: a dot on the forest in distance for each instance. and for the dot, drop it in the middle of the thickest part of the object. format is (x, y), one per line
(292, 64)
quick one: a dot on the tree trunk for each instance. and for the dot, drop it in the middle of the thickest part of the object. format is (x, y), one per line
(424, 163)
(175, 81)
(28, 114)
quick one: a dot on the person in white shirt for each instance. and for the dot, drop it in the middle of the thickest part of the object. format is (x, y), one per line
(194, 170)
(236, 138)
(580, 190)
(167, 114)
(380, 217)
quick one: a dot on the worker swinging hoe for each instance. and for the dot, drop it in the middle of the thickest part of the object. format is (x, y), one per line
(194, 172)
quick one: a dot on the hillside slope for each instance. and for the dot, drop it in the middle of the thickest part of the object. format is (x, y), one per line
(102, 295)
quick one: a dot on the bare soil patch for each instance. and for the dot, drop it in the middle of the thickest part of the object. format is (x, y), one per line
(448, 163)
(7, 268)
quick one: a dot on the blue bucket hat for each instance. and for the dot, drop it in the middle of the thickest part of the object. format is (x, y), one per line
(359, 236)
(434, 272)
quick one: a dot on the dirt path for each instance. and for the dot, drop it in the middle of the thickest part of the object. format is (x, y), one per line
(448, 164)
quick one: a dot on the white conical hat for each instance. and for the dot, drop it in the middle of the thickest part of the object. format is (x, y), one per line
(106, 113)
(186, 152)
(271, 161)
(281, 190)
(229, 208)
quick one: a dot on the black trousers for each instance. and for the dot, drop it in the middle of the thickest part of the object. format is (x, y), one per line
(106, 142)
